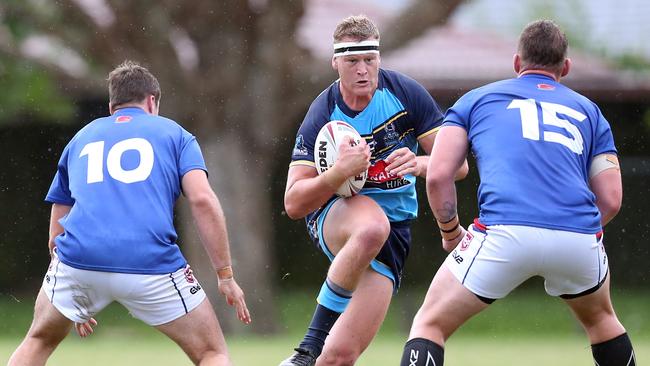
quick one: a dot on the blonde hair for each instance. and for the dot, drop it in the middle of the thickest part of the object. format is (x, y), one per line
(357, 27)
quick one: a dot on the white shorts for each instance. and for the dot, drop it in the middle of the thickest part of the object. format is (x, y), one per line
(155, 299)
(491, 263)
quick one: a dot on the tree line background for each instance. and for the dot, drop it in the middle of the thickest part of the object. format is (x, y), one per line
(234, 75)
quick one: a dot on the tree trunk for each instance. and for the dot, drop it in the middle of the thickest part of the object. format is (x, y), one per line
(240, 185)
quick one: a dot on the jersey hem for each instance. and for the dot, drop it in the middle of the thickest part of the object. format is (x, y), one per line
(574, 229)
(170, 269)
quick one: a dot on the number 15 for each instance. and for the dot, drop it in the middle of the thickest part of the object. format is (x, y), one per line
(530, 122)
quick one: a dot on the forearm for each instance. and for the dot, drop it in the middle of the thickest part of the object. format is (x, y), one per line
(307, 195)
(211, 225)
(442, 199)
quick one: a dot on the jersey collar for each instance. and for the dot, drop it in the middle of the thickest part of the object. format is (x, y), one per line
(129, 111)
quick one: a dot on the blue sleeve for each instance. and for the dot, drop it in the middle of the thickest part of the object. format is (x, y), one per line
(59, 191)
(603, 139)
(317, 116)
(459, 113)
(426, 114)
(190, 156)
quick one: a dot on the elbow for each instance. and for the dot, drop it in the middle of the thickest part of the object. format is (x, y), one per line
(202, 201)
(293, 210)
(462, 172)
(436, 178)
(609, 208)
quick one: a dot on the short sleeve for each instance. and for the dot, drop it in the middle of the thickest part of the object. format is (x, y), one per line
(317, 116)
(59, 191)
(603, 139)
(425, 112)
(459, 113)
(190, 156)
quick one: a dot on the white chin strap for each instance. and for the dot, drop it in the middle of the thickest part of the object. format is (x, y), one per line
(356, 48)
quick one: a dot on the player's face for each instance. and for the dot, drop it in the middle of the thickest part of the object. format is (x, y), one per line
(358, 73)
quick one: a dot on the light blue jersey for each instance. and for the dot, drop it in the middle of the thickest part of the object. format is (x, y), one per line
(534, 140)
(400, 112)
(122, 175)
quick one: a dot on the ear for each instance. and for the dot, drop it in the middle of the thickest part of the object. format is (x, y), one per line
(110, 108)
(566, 67)
(516, 63)
(335, 64)
(152, 107)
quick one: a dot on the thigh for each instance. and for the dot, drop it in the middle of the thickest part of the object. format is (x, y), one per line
(357, 326)
(357, 215)
(48, 323)
(197, 332)
(447, 305)
(159, 299)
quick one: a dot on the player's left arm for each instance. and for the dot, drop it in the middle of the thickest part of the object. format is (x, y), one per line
(403, 161)
(211, 224)
(58, 212)
(605, 183)
(447, 158)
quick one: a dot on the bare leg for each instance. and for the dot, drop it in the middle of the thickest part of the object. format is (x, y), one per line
(447, 305)
(48, 329)
(358, 325)
(596, 314)
(355, 230)
(199, 335)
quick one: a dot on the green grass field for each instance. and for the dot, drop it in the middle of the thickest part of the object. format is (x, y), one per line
(524, 329)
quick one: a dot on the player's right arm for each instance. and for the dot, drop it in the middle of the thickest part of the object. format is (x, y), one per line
(306, 191)
(58, 212)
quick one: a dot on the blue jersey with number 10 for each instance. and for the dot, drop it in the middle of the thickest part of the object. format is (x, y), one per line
(122, 174)
(534, 140)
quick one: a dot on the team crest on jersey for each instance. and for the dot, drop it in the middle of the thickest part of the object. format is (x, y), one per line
(545, 87)
(123, 119)
(391, 137)
(299, 148)
(464, 244)
(189, 276)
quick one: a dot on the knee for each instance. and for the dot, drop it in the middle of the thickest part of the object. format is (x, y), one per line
(45, 339)
(210, 357)
(340, 356)
(372, 236)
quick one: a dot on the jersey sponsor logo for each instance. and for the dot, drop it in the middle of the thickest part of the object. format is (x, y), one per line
(378, 177)
(377, 172)
(123, 119)
(464, 244)
(543, 86)
(299, 148)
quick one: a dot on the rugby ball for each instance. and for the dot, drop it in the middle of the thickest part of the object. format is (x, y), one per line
(326, 152)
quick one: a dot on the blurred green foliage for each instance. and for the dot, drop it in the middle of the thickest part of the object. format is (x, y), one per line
(29, 93)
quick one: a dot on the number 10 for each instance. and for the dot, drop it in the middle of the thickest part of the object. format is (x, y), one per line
(95, 152)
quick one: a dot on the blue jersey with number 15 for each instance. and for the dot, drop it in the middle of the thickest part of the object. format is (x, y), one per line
(534, 140)
(122, 174)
